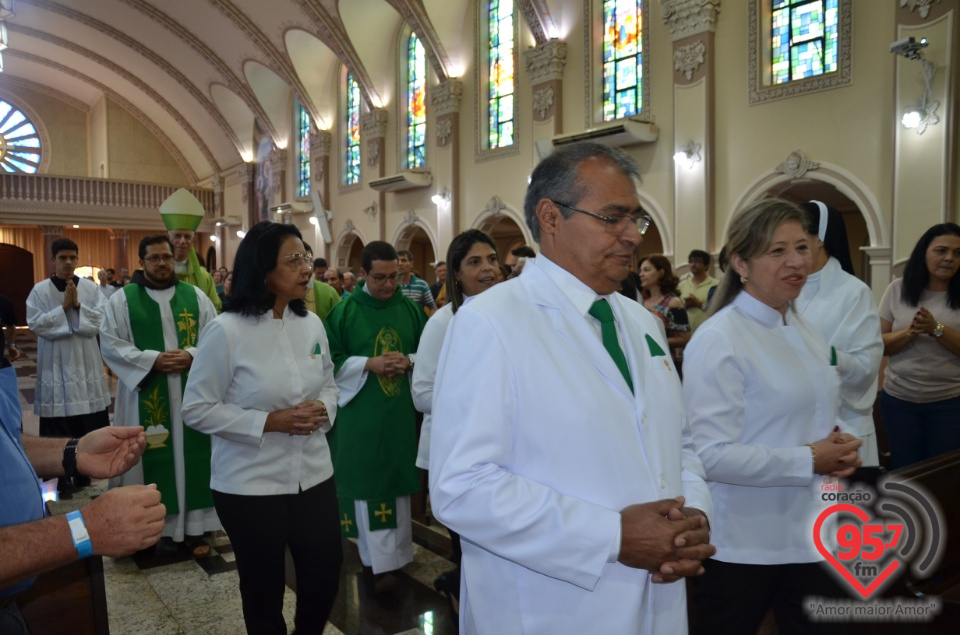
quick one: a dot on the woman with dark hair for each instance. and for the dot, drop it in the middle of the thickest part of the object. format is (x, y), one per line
(762, 402)
(472, 268)
(262, 386)
(842, 309)
(658, 285)
(227, 287)
(920, 322)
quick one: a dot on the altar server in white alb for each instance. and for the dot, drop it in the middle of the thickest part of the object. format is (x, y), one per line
(149, 339)
(844, 311)
(559, 449)
(65, 312)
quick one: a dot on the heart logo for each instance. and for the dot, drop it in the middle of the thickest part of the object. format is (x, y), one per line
(888, 570)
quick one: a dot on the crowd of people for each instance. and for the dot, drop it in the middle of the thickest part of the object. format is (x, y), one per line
(582, 479)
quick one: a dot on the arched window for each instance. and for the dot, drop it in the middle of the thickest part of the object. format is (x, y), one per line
(622, 58)
(500, 94)
(416, 103)
(303, 151)
(803, 39)
(351, 172)
(19, 141)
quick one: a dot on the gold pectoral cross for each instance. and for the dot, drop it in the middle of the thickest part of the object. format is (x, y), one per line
(383, 512)
(346, 521)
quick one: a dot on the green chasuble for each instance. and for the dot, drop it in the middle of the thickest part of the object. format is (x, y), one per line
(154, 399)
(200, 278)
(374, 440)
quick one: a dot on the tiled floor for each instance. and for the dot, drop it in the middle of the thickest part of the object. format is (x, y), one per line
(174, 593)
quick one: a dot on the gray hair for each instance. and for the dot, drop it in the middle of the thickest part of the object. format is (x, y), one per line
(557, 178)
(749, 235)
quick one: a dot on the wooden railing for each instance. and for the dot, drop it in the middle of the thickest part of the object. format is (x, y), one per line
(101, 193)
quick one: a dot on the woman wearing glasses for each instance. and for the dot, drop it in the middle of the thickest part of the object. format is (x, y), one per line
(262, 386)
(658, 286)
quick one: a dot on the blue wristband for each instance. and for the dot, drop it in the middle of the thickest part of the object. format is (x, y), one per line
(78, 532)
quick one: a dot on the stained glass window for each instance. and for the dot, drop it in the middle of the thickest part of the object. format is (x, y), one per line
(803, 39)
(622, 58)
(416, 108)
(351, 174)
(303, 127)
(500, 92)
(19, 141)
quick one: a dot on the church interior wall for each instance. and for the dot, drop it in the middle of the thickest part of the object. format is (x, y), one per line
(135, 154)
(65, 126)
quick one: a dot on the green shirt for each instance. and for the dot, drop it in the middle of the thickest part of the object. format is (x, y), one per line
(374, 440)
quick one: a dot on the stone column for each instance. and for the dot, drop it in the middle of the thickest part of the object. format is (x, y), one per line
(879, 270)
(50, 234)
(278, 164)
(692, 24)
(445, 100)
(320, 144)
(544, 65)
(246, 172)
(373, 133)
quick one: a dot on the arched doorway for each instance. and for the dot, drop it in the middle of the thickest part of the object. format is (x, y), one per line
(415, 240)
(348, 255)
(857, 234)
(505, 226)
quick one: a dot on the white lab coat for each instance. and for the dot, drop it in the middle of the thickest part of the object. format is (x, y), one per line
(538, 444)
(844, 312)
(70, 377)
(132, 365)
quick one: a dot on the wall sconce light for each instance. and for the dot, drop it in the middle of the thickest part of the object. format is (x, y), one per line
(241, 233)
(925, 112)
(214, 239)
(441, 198)
(689, 154)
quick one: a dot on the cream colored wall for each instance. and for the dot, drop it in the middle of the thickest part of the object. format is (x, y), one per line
(66, 128)
(851, 127)
(135, 154)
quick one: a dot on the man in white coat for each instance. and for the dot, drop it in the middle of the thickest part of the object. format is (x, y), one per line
(65, 311)
(148, 338)
(559, 448)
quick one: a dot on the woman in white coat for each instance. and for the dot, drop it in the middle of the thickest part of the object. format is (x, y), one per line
(844, 311)
(472, 268)
(762, 401)
(262, 386)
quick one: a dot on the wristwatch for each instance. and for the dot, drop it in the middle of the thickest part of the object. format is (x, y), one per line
(70, 458)
(938, 330)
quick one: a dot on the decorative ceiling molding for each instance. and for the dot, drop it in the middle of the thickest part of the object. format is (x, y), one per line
(153, 57)
(690, 17)
(12, 82)
(284, 66)
(130, 77)
(537, 16)
(232, 80)
(414, 14)
(139, 115)
(334, 35)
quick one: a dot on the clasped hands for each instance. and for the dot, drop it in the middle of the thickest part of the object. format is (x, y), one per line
(389, 364)
(305, 418)
(665, 538)
(836, 455)
(923, 322)
(70, 298)
(175, 361)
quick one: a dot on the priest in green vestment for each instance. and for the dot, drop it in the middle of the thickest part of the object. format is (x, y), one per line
(148, 338)
(374, 334)
(321, 297)
(181, 214)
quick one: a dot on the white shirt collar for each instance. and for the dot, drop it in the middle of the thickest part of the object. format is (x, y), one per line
(580, 295)
(754, 308)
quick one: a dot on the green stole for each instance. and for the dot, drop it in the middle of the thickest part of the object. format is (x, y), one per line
(154, 400)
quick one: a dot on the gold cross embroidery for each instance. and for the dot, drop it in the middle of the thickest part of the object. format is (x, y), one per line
(383, 512)
(188, 325)
(346, 521)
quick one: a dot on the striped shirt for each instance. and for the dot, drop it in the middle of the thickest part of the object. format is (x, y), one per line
(419, 291)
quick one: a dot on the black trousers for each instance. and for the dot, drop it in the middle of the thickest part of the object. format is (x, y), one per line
(733, 598)
(260, 528)
(75, 426)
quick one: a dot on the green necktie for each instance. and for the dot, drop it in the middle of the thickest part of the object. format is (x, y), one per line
(608, 332)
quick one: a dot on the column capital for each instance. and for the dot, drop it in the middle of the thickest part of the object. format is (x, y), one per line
(545, 62)
(373, 124)
(690, 17)
(445, 97)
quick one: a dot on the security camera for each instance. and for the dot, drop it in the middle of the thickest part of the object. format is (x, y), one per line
(909, 47)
